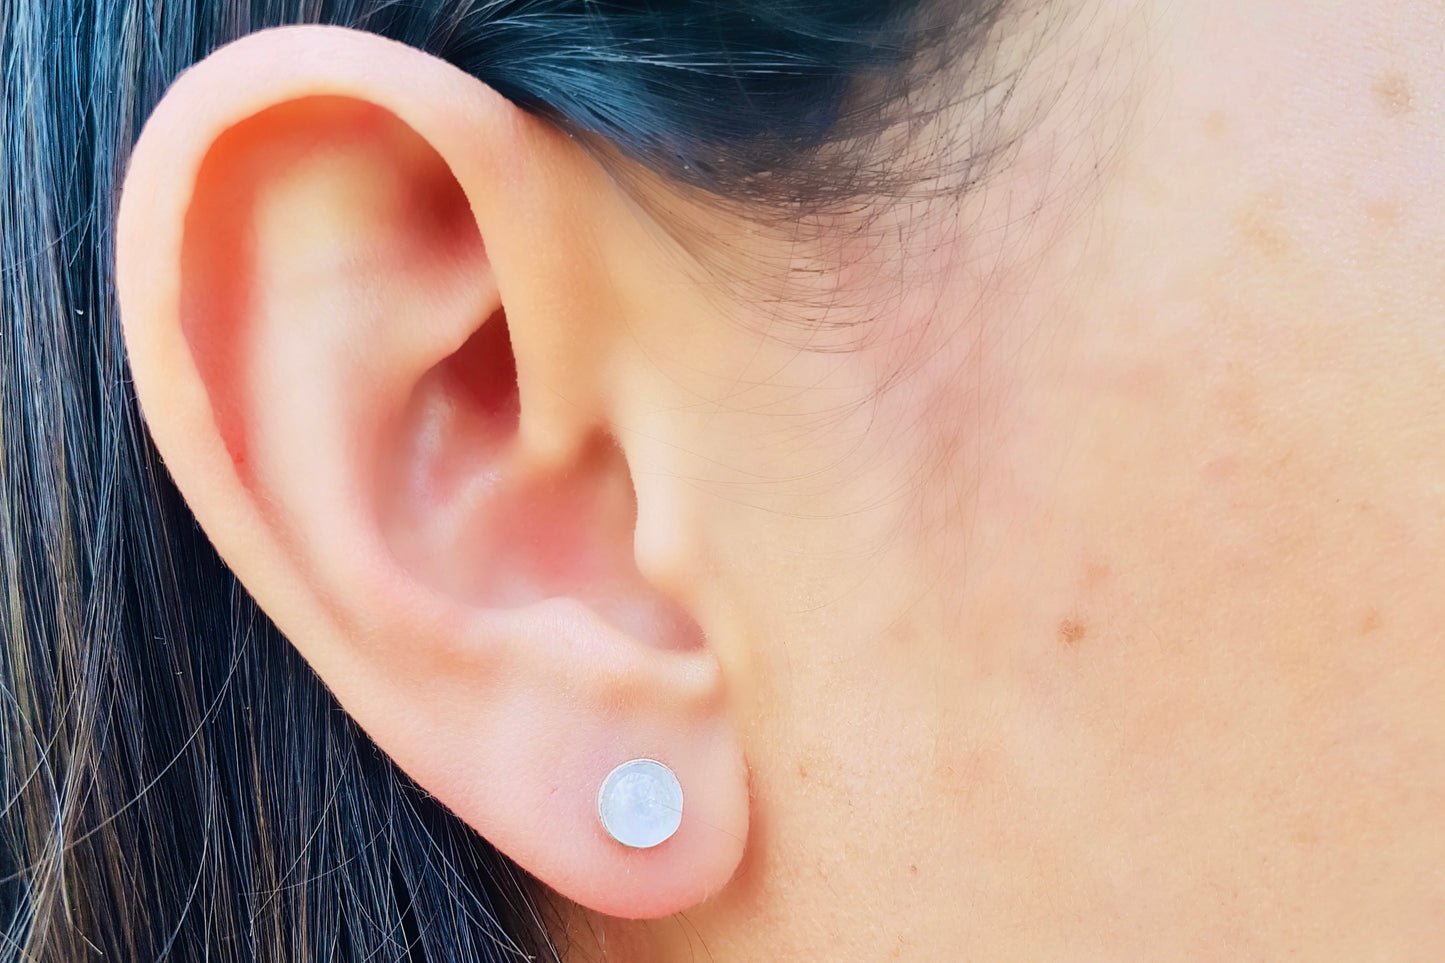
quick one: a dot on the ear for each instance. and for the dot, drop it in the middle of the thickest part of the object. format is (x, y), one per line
(370, 307)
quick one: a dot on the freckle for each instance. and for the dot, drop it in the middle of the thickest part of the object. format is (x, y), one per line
(1225, 468)
(1393, 95)
(802, 772)
(1155, 193)
(1372, 622)
(1072, 631)
(1383, 213)
(1259, 228)
(1095, 574)
(1238, 401)
(1215, 124)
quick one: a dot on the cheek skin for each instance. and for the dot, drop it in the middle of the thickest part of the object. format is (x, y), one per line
(1100, 578)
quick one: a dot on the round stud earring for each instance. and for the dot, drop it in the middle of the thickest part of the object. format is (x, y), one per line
(640, 804)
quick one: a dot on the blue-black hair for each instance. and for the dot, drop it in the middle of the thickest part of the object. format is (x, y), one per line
(174, 782)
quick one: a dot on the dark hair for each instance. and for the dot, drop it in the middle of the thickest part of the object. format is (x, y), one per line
(175, 782)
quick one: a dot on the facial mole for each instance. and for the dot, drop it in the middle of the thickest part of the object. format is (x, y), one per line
(1393, 95)
(1072, 632)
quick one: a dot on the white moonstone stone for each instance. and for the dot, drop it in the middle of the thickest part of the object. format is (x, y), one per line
(640, 803)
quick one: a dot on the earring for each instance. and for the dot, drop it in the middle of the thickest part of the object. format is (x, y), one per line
(640, 804)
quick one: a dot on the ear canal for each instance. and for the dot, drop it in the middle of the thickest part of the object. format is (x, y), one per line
(465, 510)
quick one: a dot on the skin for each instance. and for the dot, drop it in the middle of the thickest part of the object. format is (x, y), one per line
(1086, 607)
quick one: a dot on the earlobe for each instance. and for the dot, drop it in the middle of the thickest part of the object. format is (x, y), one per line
(365, 329)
